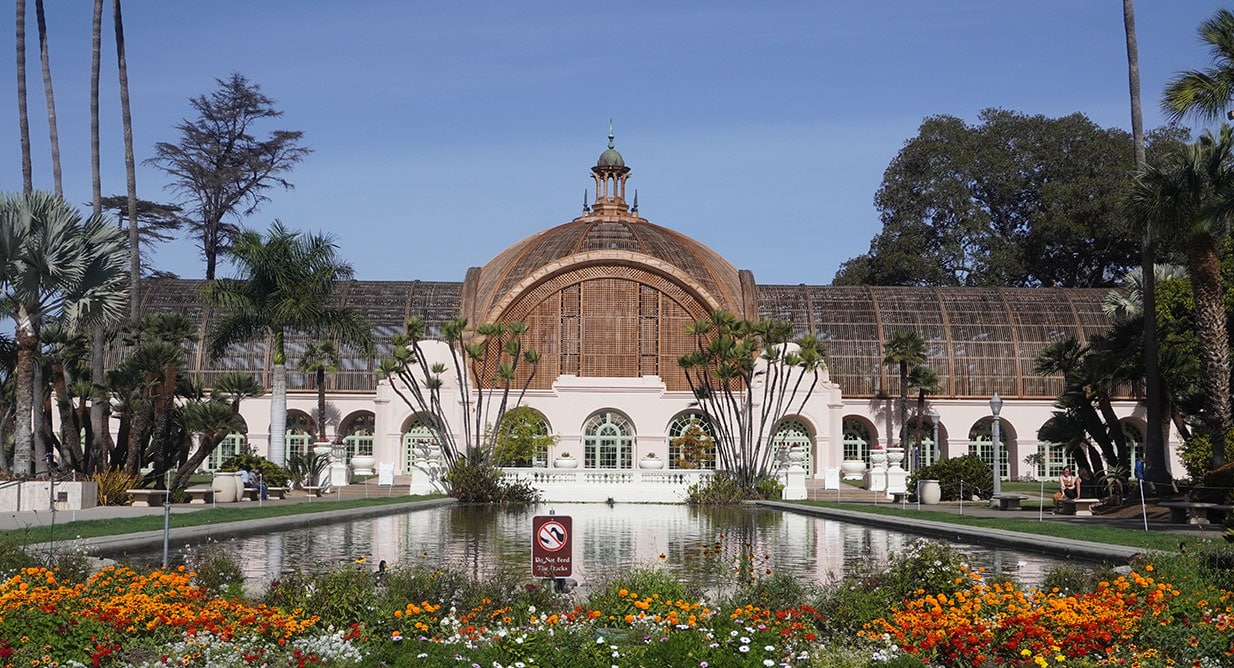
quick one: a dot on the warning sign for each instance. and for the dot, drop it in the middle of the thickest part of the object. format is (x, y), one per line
(551, 550)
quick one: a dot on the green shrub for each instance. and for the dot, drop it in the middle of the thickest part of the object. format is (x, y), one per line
(272, 474)
(778, 591)
(1069, 579)
(638, 583)
(723, 489)
(340, 597)
(969, 472)
(113, 486)
(482, 483)
(216, 568)
(926, 565)
(306, 469)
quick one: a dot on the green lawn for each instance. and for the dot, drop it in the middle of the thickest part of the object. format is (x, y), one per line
(118, 526)
(1092, 532)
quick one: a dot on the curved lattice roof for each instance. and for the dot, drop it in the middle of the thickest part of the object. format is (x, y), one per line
(980, 340)
(612, 240)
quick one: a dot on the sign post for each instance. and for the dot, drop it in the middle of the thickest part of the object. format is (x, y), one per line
(552, 546)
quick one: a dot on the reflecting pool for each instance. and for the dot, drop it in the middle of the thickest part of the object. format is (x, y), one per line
(706, 545)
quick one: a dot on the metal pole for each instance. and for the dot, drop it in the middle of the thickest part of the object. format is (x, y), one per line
(166, 518)
(1041, 506)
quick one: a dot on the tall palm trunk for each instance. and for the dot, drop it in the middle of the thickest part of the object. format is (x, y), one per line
(98, 403)
(23, 115)
(52, 130)
(321, 403)
(278, 402)
(1156, 464)
(27, 340)
(130, 166)
(1205, 268)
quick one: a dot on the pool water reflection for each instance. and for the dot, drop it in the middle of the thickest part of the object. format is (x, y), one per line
(706, 545)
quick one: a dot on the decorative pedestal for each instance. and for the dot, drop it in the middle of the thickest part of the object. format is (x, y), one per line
(339, 474)
(426, 478)
(795, 475)
(897, 477)
(876, 476)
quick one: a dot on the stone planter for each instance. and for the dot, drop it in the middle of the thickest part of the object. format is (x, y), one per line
(224, 486)
(565, 463)
(363, 464)
(929, 492)
(852, 469)
(646, 463)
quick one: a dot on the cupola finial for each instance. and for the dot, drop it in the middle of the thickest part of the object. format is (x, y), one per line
(611, 136)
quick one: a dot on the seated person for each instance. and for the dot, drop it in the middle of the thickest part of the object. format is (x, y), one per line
(1069, 488)
(252, 480)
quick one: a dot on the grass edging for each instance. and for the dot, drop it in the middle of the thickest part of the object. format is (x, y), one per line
(1088, 541)
(113, 536)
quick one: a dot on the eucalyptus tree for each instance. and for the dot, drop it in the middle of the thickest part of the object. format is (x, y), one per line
(747, 377)
(220, 168)
(1188, 196)
(905, 350)
(54, 266)
(284, 285)
(320, 358)
(1206, 93)
(483, 372)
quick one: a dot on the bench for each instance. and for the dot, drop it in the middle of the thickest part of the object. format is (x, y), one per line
(1008, 501)
(1195, 512)
(277, 492)
(899, 497)
(199, 494)
(313, 490)
(146, 498)
(1078, 507)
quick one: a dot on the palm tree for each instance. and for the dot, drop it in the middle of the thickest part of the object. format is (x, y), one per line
(925, 381)
(45, 57)
(1188, 196)
(286, 283)
(130, 165)
(905, 349)
(23, 115)
(214, 419)
(1206, 93)
(320, 358)
(54, 265)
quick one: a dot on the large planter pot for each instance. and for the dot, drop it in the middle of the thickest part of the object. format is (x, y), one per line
(852, 469)
(565, 463)
(224, 486)
(239, 487)
(363, 464)
(651, 463)
(929, 492)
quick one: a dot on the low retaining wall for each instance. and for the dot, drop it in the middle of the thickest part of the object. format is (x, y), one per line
(600, 485)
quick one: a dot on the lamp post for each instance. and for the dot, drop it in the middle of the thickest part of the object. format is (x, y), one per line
(934, 418)
(996, 405)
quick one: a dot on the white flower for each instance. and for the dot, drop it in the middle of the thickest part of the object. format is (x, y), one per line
(743, 649)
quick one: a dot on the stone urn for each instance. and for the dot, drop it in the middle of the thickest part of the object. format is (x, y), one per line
(565, 463)
(224, 486)
(363, 464)
(894, 457)
(878, 458)
(650, 462)
(852, 469)
(929, 492)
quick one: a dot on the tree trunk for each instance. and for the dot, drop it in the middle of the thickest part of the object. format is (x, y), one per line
(23, 438)
(130, 167)
(96, 44)
(321, 403)
(1206, 284)
(54, 133)
(38, 416)
(23, 115)
(70, 427)
(278, 414)
(181, 479)
(139, 430)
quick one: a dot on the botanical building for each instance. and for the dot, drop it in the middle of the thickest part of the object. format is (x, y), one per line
(607, 297)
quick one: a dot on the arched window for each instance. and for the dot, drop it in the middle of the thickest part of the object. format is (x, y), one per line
(1135, 441)
(608, 442)
(981, 442)
(792, 435)
(357, 433)
(420, 444)
(234, 444)
(856, 440)
(691, 445)
(300, 430)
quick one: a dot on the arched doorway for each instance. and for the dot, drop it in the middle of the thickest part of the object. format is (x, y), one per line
(792, 435)
(299, 436)
(357, 431)
(420, 444)
(608, 441)
(691, 444)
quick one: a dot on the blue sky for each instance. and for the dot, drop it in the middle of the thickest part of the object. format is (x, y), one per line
(444, 132)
